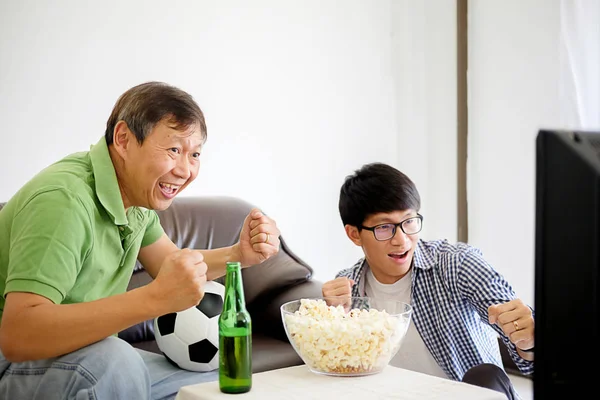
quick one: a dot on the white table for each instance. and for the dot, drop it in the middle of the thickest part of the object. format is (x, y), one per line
(298, 383)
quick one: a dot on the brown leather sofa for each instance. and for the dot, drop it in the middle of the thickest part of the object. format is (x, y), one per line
(212, 222)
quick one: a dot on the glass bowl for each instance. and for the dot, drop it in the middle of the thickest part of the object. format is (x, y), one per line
(351, 336)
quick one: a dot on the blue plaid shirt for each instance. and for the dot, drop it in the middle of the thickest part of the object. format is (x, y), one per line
(452, 287)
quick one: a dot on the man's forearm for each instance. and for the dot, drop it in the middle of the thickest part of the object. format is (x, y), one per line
(216, 260)
(50, 330)
(153, 256)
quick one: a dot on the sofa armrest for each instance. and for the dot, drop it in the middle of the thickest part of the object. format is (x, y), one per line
(266, 312)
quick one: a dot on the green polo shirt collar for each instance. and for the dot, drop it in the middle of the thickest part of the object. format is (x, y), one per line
(107, 186)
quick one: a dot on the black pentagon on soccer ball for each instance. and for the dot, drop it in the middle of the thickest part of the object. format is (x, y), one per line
(166, 324)
(202, 351)
(211, 305)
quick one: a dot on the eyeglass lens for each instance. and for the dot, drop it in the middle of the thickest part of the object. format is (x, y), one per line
(387, 231)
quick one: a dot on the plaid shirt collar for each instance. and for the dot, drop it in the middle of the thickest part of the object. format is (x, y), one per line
(422, 259)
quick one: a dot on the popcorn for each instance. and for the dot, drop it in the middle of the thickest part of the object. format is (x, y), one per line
(329, 339)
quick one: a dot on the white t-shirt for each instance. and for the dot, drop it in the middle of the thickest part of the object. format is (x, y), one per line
(413, 353)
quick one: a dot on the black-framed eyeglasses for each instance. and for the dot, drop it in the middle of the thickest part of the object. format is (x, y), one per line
(409, 226)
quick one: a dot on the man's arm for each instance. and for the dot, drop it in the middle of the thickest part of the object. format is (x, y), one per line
(259, 240)
(151, 257)
(33, 327)
(495, 300)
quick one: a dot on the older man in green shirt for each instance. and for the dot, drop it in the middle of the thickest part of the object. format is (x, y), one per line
(69, 240)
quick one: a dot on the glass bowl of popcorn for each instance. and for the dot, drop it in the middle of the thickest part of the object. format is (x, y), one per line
(351, 336)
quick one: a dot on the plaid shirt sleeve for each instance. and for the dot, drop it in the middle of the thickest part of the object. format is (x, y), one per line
(480, 284)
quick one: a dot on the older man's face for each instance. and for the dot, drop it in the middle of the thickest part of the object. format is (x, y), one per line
(162, 166)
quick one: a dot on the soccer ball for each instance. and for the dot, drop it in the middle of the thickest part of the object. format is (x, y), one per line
(189, 339)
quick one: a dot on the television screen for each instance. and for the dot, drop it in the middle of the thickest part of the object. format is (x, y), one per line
(567, 264)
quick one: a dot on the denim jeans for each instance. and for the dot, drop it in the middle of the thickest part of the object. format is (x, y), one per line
(107, 370)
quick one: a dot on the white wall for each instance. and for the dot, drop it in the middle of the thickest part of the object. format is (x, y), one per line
(296, 95)
(514, 81)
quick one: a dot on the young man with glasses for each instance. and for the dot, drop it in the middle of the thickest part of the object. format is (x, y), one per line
(460, 303)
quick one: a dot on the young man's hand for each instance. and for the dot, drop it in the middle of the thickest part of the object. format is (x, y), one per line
(339, 287)
(516, 321)
(179, 284)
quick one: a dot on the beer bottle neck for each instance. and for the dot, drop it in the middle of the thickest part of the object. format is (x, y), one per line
(234, 289)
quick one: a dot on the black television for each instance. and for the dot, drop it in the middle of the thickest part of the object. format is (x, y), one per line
(567, 265)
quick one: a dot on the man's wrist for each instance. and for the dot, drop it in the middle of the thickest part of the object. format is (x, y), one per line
(236, 254)
(150, 300)
(526, 354)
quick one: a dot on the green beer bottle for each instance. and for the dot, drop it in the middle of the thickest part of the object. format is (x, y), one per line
(235, 336)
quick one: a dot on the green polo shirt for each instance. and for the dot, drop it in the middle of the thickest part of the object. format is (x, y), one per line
(66, 235)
